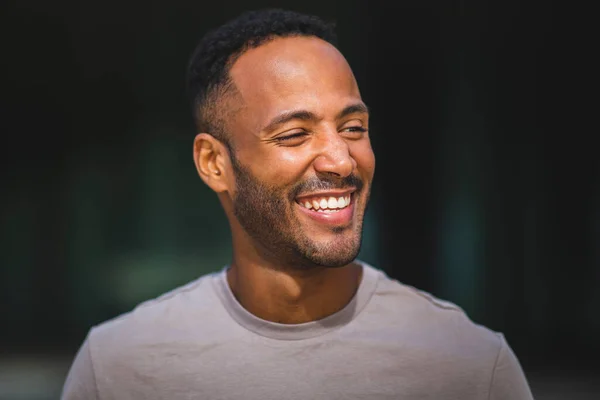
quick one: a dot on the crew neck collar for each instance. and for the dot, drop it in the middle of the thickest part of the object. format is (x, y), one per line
(301, 331)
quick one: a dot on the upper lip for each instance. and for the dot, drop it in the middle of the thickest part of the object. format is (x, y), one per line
(329, 193)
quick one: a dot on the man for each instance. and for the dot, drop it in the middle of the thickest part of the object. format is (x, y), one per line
(284, 143)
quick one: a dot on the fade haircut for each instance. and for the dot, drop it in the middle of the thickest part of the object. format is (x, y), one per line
(208, 80)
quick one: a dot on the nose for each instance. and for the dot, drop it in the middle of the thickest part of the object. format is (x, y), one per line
(334, 156)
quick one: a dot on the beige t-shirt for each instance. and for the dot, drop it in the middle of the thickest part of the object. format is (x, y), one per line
(390, 342)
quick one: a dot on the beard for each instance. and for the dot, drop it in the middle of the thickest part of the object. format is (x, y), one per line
(266, 213)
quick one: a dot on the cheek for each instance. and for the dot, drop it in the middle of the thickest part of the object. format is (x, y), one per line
(284, 167)
(363, 155)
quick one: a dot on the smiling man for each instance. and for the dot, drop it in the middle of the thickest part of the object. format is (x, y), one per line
(284, 143)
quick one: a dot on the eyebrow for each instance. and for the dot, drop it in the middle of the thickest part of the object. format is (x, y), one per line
(290, 116)
(352, 109)
(305, 115)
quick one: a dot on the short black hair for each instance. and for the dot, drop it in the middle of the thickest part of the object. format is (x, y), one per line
(208, 70)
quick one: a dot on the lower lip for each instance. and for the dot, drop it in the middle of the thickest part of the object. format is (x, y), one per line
(341, 217)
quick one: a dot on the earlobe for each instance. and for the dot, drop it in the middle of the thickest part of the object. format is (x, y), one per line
(208, 157)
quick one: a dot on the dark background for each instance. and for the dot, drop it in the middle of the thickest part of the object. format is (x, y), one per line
(487, 189)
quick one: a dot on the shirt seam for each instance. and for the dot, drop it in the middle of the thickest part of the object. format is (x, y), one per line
(216, 288)
(430, 299)
(267, 339)
(96, 390)
(494, 369)
(190, 286)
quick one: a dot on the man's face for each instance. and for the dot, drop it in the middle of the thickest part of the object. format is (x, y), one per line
(303, 162)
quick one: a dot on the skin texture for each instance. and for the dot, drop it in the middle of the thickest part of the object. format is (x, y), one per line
(287, 267)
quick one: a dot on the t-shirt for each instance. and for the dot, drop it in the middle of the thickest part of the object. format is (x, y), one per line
(390, 341)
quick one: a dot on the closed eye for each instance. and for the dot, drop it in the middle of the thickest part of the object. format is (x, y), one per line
(290, 137)
(291, 140)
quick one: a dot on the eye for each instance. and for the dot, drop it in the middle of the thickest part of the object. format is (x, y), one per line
(355, 129)
(293, 139)
(354, 132)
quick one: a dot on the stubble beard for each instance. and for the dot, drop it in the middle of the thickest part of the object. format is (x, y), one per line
(264, 212)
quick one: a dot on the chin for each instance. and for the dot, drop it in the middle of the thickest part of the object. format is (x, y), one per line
(334, 255)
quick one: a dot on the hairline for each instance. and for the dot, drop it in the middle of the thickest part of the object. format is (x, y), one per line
(227, 89)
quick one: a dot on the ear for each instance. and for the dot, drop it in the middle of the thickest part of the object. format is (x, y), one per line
(210, 157)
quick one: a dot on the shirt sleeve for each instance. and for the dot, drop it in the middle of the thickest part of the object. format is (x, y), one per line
(508, 380)
(81, 380)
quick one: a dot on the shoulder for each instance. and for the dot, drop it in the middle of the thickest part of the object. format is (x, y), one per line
(439, 339)
(178, 315)
(427, 321)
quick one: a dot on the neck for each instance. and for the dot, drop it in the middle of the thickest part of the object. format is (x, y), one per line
(289, 296)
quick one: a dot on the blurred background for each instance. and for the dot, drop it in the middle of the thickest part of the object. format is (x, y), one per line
(487, 189)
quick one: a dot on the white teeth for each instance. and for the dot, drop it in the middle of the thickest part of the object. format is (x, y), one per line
(326, 204)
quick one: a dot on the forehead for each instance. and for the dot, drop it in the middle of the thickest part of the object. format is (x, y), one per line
(293, 72)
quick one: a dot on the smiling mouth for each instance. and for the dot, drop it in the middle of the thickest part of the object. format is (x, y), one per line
(326, 202)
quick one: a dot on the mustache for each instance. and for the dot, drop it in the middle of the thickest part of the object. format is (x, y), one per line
(321, 184)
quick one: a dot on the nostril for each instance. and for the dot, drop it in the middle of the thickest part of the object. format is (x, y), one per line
(337, 166)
